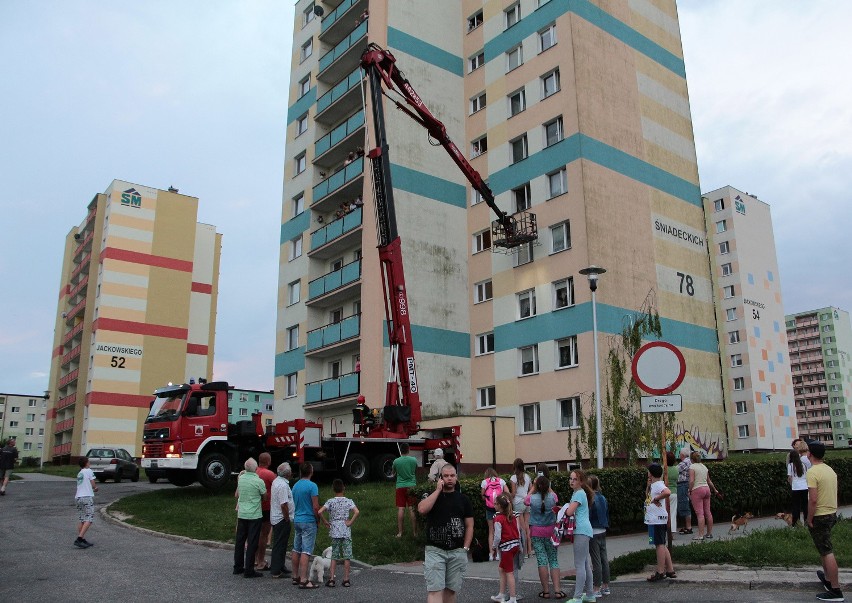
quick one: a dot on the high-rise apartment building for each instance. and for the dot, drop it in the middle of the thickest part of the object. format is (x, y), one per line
(137, 309)
(820, 352)
(575, 111)
(757, 381)
(243, 403)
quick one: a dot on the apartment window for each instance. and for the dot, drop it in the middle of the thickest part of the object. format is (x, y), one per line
(553, 132)
(522, 197)
(731, 314)
(479, 146)
(31, 403)
(41, 431)
(476, 61)
(550, 83)
(28, 445)
(741, 407)
(477, 103)
(733, 336)
(298, 204)
(304, 86)
(13, 424)
(829, 339)
(526, 304)
(293, 337)
(566, 352)
(30, 417)
(513, 15)
(560, 237)
(563, 293)
(475, 197)
(482, 241)
(474, 21)
(531, 418)
(519, 148)
(736, 360)
(831, 363)
(529, 360)
(727, 269)
(517, 102)
(742, 431)
(294, 292)
(302, 125)
(485, 344)
(291, 383)
(514, 58)
(524, 255)
(721, 226)
(267, 407)
(557, 183)
(729, 291)
(719, 204)
(569, 413)
(296, 248)
(29, 431)
(301, 163)
(482, 291)
(307, 49)
(827, 328)
(16, 409)
(244, 412)
(486, 397)
(739, 383)
(724, 247)
(547, 37)
(308, 14)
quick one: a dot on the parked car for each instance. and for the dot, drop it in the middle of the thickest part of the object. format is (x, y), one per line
(112, 463)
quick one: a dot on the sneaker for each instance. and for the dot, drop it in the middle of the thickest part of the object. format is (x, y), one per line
(574, 600)
(832, 595)
(825, 583)
(499, 597)
(79, 544)
(87, 543)
(589, 599)
(606, 591)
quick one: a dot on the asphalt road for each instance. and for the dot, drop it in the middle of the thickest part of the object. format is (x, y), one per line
(39, 563)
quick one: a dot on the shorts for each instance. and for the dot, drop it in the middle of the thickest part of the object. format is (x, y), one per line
(658, 534)
(403, 498)
(305, 538)
(444, 569)
(507, 560)
(546, 555)
(341, 549)
(86, 508)
(490, 513)
(821, 533)
(683, 509)
(4, 473)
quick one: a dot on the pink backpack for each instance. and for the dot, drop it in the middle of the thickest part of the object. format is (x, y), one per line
(493, 489)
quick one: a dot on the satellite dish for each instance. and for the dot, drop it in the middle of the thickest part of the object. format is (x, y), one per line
(318, 11)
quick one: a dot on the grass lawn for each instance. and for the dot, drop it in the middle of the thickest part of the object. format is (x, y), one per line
(60, 470)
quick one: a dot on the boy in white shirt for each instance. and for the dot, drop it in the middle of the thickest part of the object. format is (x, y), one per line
(657, 519)
(85, 498)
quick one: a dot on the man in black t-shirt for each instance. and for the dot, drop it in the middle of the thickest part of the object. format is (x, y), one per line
(8, 456)
(449, 532)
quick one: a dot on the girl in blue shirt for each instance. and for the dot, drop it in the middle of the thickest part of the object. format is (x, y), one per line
(579, 506)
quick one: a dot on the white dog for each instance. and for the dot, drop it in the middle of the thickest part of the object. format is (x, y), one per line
(319, 565)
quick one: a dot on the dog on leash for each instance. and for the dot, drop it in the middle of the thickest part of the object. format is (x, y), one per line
(319, 565)
(786, 517)
(740, 520)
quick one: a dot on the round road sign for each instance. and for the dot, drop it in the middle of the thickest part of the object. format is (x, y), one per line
(658, 368)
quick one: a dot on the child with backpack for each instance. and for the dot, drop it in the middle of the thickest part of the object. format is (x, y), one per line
(492, 487)
(542, 522)
(599, 518)
(507, 541)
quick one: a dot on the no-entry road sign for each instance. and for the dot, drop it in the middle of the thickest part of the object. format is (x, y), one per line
(658, 368)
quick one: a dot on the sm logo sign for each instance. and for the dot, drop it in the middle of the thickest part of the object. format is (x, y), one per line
(131, 198)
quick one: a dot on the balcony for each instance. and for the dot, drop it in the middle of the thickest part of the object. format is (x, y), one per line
(341, 100)
(329, 336)
(85, 244)
(72, 333)
(344, 185)
(67, 358)
(66, 401)
(339, 22)
(329, 240)
(69, 316)
(331, 288)
(332, 149)
(84, 263)
(66, 425)
(332, 389)
(79, 288)
(345, 56)
(69, 378)
(62, 449)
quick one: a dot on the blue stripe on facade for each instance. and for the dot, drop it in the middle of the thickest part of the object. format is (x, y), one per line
(293, 228)
(399, 40)
(289, 362)
(432, 340)
(535, 21)
(301, 106)
(611, 320)
(545, 161)
(426, 185)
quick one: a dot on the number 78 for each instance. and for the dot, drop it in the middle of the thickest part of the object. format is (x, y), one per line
(690, 288)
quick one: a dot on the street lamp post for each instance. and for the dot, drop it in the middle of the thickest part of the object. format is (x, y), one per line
(593, 272)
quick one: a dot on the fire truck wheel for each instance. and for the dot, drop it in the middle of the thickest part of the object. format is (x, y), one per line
(357, 469)
(152, 479)
(214, 471)
(181, 479)
(383, 468)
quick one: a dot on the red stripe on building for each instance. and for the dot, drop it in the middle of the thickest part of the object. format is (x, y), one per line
(139, 328)
(57, 351)
(196, 348)
(111, 399)
(201, 287)
(51, 414)
(63, 291)
(136, 257)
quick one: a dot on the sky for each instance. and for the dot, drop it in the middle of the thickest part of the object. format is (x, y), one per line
(194, 94)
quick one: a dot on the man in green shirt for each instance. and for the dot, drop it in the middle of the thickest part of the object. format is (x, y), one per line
(250, 492)
(822, 515)
(404, 467)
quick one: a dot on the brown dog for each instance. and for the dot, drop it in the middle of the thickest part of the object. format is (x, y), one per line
(740, 520)
(787, 517)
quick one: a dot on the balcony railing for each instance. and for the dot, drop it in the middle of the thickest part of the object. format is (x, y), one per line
(79, 287)
(74, 353)
(69, 378)
(72, 333)
(62, 449)
(338, 91)
(84, 262)
(335, 15)
(335, 181)
(334, 333)
(330, 389)
(339, 133)
(65, 425)
(334, 280)
(75, 310)
(66, 401)
(83, 244)
(338, 51)
(337, 228)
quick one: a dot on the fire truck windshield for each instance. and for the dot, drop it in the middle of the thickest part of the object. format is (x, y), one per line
(165, 409)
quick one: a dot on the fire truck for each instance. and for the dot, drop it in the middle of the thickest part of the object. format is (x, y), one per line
(188, 436)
